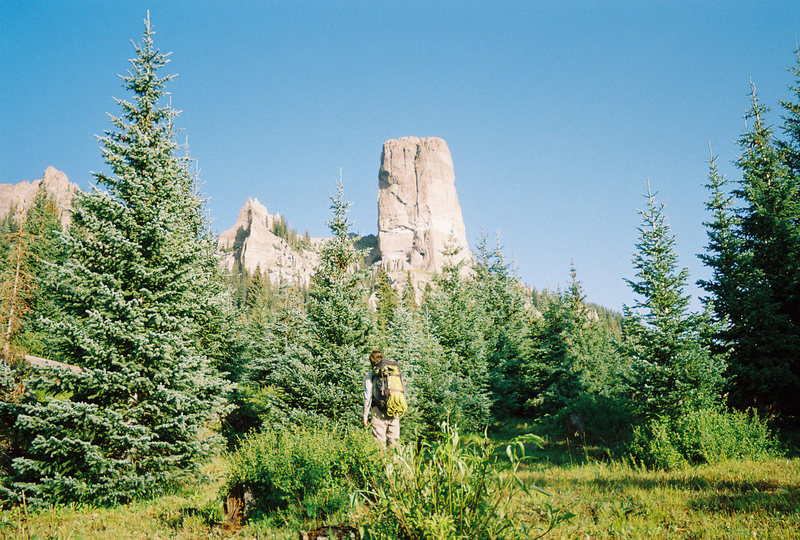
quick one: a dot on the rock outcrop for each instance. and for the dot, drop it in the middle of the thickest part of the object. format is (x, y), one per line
(19, 197)
(418, 218)
(418, 210)
(253, 243)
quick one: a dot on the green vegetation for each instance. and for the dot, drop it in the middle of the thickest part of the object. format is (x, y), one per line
(609, 499)
(136, 294)
(451, 488)
(304, 475)
(656, 421)
(282, 229)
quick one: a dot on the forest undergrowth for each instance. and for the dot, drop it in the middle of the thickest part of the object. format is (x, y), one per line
(608, 497)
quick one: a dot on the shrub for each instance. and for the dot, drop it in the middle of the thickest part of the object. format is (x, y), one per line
(702, 436)
(310, 473)
(450, 489)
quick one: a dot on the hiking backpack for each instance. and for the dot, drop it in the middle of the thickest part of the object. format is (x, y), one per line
(388, 388)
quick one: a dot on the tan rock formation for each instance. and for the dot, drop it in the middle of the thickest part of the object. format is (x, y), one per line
(252, 242)
(418, 210)
(20, 196)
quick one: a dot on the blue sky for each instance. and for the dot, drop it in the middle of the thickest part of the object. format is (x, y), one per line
(556, 113)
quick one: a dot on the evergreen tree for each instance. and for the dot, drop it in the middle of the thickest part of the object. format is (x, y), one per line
(15, 291)
(319, 374)
(500, 295)
(138, 295)
(669, 348)
(8, 225)
(432, 385)
(569, 359)
(724, 249)
(790, 148)
(455, 315)
(387, 300)
(550, 371)
(766, 320)
(43, 226)
(409, 297)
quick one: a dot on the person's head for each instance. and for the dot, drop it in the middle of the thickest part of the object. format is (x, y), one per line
(375, 357)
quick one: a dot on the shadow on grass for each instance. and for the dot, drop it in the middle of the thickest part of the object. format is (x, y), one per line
(777, 501)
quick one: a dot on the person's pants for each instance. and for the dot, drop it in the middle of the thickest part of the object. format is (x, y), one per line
(385, 429)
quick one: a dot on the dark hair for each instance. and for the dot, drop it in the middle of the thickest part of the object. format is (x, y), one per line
(376, 356)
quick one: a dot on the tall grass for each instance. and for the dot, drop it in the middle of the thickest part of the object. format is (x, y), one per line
(452, 489)
(730, 499)
(734, 498)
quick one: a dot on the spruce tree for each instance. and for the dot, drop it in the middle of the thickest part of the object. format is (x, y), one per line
(766, 321)
(500, 295)
(16, 292)
(724, 250)
(455, 316)
(569, 358)
(409, 297)
(43, 226)
(387, 300)
(673, 366)
(319, 373)
(137, 293)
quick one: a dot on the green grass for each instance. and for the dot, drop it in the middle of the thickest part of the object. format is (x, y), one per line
(610, 499)
(735, 499)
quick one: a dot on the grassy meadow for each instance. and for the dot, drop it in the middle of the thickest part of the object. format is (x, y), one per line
(610, 498)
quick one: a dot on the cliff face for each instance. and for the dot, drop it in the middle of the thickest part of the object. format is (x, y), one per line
(20, 196)
(418, 210)
(252, 242)
(418, 217)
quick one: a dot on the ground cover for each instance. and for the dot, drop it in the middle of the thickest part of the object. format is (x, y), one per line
(611, 498)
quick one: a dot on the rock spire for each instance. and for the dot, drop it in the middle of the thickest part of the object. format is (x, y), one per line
(418, 210)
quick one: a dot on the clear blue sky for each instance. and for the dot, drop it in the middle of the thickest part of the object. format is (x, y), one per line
(557, 113)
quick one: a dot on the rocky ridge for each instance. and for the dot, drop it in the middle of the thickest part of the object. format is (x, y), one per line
(252, 242)
(19, 197)
(418, 216)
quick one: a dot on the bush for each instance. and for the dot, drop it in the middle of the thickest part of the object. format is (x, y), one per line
(309, 473)
(607, 419)
(450, 489)
(702, 436)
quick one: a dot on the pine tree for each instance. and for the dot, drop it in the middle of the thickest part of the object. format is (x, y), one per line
(500, 295)
(409, 297)
(43, 226)
(455, 316)
(673, 366)
(319, 373)
(138, 293)
(16, 291)
(766, 320)
(568, 355)
(724, 249)
(387, 300)
(432, 385)
(790, 148)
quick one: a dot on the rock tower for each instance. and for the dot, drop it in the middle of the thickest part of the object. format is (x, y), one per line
(418, 210)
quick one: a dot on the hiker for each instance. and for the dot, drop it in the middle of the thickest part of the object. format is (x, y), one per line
(385, 423)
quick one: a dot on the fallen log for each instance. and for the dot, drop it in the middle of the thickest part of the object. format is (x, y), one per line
(45, 363)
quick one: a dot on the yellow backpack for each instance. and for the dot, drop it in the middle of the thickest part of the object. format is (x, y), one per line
(389, 389)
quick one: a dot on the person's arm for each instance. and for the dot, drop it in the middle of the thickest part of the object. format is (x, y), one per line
(367, 398)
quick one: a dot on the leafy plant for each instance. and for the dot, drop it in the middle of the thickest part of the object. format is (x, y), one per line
(702, 436)
(309, 473)
(450, 488)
